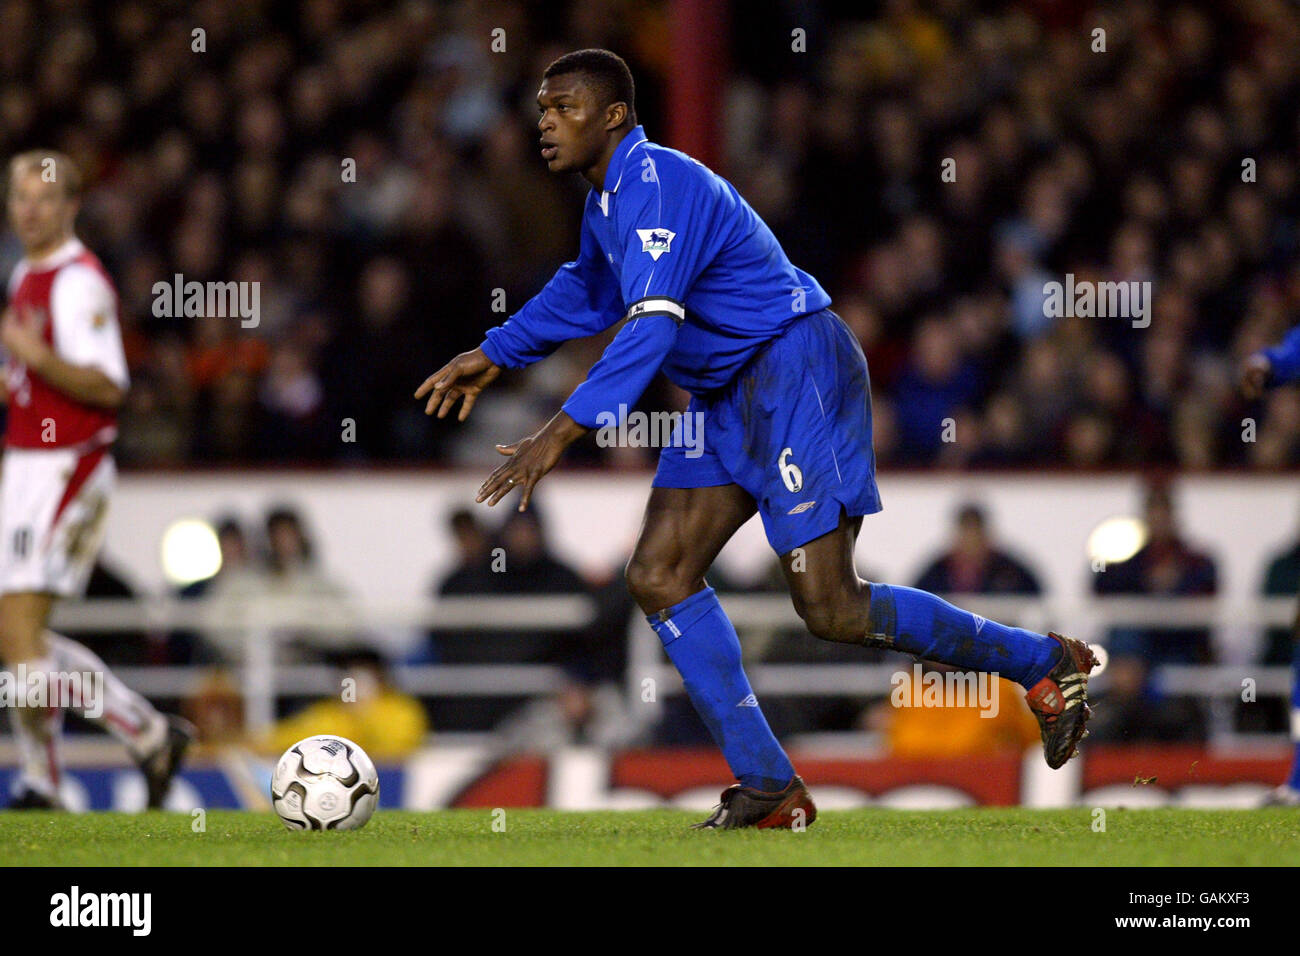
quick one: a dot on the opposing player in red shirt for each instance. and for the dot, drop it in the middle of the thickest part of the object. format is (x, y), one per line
(65, 377)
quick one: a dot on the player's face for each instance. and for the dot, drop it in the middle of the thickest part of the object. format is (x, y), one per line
(39, 212)
(572, 124)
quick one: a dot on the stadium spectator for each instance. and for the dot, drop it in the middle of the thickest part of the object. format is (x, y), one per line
(579, 715)
(974, 565)
(1281, 579)
(959, 728)
(216, 708)
(386, 723)
(1133, 706)
(589, 708)
(1132, 709)
(288, 575)
(474, 561)
(516, 561)
(532, 566)
(471, 575)
(369, 363)
(1168, 566)
(522, 564)
(187, 646)
(937, 384)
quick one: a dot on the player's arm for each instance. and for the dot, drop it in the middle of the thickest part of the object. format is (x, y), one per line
(85, 383)
(580, 300)
(621, 375)
(1275, 366)
(653, 288)
(86, 360)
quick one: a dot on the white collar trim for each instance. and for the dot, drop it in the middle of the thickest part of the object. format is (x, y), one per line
(621, 172)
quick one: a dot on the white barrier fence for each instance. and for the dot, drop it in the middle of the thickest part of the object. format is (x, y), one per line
(259, 622)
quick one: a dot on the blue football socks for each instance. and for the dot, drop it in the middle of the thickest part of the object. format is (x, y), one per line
(701, 642)
(930, 628)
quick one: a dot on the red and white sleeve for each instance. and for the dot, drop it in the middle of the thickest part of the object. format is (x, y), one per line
(83, 309)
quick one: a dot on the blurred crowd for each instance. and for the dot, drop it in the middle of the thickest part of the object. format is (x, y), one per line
(370, 165)
(228, 154)
(1122, 165)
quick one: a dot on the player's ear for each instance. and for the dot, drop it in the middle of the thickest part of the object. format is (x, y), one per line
(615, 115)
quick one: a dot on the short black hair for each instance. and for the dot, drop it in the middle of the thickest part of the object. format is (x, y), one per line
(283, 514)
(970, 511)
(229, 524)
(604, 71)
(462, 519)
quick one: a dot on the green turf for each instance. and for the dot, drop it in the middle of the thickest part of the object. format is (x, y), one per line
(544, 837)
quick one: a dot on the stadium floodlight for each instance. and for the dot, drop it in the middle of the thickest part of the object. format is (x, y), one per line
(1116, 539)
(190, 551)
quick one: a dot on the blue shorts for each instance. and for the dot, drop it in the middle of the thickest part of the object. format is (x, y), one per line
(793, 430)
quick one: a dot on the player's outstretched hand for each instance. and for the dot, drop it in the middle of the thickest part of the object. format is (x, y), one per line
(1255, 372)
(530, 459)
(465, 377)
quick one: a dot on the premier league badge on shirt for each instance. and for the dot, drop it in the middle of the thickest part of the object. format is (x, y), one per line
(656, 241)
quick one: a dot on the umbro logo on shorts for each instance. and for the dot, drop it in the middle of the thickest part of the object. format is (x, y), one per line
(801, 507)
(750, 701)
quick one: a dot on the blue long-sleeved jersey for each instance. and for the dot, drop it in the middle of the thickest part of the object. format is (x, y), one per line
(1285, 358)
(673, 246)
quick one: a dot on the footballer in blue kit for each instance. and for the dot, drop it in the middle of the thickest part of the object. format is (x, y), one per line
(1280, 365)
(711, 301)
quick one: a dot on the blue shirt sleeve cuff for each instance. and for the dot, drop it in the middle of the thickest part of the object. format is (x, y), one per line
(492, 350)
(585, 409)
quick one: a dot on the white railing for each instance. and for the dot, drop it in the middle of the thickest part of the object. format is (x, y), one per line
(257, 624)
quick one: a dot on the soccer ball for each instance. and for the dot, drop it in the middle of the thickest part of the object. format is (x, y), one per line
(324, 783)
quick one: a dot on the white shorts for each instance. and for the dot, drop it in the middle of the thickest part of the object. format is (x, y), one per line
(53, 506)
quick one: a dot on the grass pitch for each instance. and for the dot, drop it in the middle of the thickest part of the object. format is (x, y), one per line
(980, 837)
